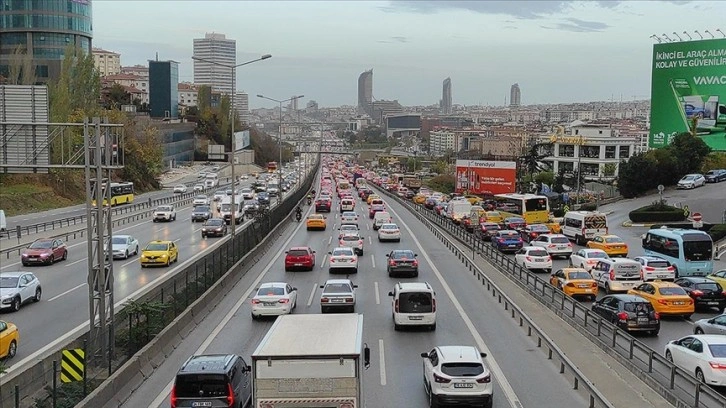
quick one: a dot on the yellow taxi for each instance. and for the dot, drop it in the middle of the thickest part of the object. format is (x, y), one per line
(372, 197)
(493, 216)
(473, 200)
(159, 253)
(9, 339)
(613, 245)
(316, 222)
(420, 198)
(575, 282)
(719, 277)
(667, 298)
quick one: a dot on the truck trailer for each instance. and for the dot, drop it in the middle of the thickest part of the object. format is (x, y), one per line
(311, 360)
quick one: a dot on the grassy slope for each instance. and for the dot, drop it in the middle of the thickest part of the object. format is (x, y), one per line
(24, 194)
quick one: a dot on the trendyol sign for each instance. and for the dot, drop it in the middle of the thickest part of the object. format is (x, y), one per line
(485, 177)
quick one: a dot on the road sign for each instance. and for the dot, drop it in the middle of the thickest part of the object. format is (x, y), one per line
(686, 211)
(73, 365)
(697, 224)
(697, 217)
(660, 188)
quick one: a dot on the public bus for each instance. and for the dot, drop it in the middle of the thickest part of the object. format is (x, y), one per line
(689, 251)
(121, 193)
(535, 209)
(271, 167)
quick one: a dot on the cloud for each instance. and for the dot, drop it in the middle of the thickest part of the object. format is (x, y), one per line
(394, 39)
(519, 9)
(578, 26)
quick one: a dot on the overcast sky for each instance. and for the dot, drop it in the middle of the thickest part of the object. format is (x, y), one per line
(557, 51)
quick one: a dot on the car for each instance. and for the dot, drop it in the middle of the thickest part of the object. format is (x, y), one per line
(691, 181)
(200, 200)
(180, 189)
(349, 217)
(214, 227)
(507, 241)
(531, 232)
(587, 258)
(654, 268)
(352, 240)
(201, 213)
(375, 208)
(250, 207)
(273, 299)
(413, 304)
(514, 223)
(323, 204)
(219, 195)
(348, 228)
(629, 312)
(244, 177)
(213, 380)
(703, 355)
(693, 111)
(198, 188)
(389, 232)
(299, 258)
(316, 222)
(347, 204)
(372, 197)
(343, 258)
(18, 288)
(720, 277)
(613, 245)
(9, 339)
(457, 375)
(123, 246)
(710, 325)
(494, 216)
(667, 298)
(247, 193)
(164, 213)
(554, 244)
(263, 197)
(337, 295)
(706, 293)
(715, 176)
(402, 261)
(575, 282)
(159, 252)
(616, 275)
(44, 251)
(487, 230)
(534, 259)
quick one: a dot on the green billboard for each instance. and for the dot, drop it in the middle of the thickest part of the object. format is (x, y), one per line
(689, 83)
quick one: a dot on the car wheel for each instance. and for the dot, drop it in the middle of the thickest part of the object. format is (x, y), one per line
(432, 402)
(65, 255)
(699, 376)
(15, 306)
(669, 356)
(607, 288)
(204, 236)
(154, 220)
(579, 240)
(12, 349)
(396, 327)
(126, 256)
(687, 317)
(38, 294)
(698, 330)
(136, 251)
(51, 260)
(432, 327)
(254, 317)
(25, 264)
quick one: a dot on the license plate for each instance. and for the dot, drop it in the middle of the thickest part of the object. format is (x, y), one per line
(298, 264)
(583, 286)
(712, 303)
(539, 259)
(466, 385)
(642, 320)
(512, 246)
(337, 300)
(415, 317)
(561, 247)
(202, 404)
(679, 303)
(404, 264)
(268, 303)
(662, 276)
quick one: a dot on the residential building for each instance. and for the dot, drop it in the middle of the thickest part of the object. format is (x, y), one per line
(365, 91)
(138, 70)
(515, 96)
(215, 49)
(135, 85)
(106, 62)
(43, 29)
(446, 101)
(164, 89)
(187, 94)
(242, 106)
(441, 141)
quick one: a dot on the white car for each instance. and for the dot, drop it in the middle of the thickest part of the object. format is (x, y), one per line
(389, 232)
(200, 200)
(587, 258)
(219, 195)
(180, 188)
(248, 193)
(352, 240)
(554, 244)
(691, 181)
(349, 217)
(274, 299)
(244, 177)
(164, 213)
(534, 259)
(703, 355)
(454, 374)
(17, 288)
(348, 229)
(198, 188)
(654, 268)
(343, 258)
(123, 246)
(338, 294)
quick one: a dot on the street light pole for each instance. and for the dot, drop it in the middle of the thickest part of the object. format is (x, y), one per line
(233, 68)
(279, 140)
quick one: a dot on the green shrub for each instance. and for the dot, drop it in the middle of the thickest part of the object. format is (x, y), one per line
(717, 232)
(588, 207)
(657, 213)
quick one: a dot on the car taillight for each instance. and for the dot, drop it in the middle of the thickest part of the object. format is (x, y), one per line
(583, 232)
(594, 284)
(569, 244)
(284, 301)
(671, 269)
(656, 315)
(348, 300)
(415, 262)
(528, 258)
(649, 268)
(324, 300)
(696, 293)
(392, 262)
(172, 400)
(360, 242)
(717, 365)
(551, 246)
(230, 395)
(570, 284)
(612, 274)
(533, 234)
(591, 261)
(485, 380)
(623, 315)
(395, 306)
(255, 301)
(441, 380)
(662, 301)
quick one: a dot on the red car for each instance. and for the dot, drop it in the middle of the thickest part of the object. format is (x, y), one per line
(323, 205)
(531, 232)
(300, 258)
(44, 251)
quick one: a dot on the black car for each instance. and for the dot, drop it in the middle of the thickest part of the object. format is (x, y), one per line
(629, 313)
(251, 207)
(263, 198)
(213, 380)
(323, 205)
(430, 203)
(402, 261)
(214, 227)
(706, 293)
(715, 176)
(410, 194)
(201, 213)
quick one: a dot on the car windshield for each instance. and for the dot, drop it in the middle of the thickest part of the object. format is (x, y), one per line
(163, 208)
(697, 250)
(462, 369)
(578, 275)
(718, 350)
(342, 252)
(201, 386)
(119, 240)
(415, 302)
(402, 255)
(708, 286)
(214, 222)
(337, 288)
(537, 252)
(672, 291)
(539, 228)
(202, 208)
(271, 291)
(687, 178)
(41, 245)
(560, 240)
(659, 263)
(613, 240)
(597, 254)
(227, 207)
(157, 247)
(9, 281)
(298, 252)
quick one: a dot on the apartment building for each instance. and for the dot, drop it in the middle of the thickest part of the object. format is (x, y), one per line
(106, 62)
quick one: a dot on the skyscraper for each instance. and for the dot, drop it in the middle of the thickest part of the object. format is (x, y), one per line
(43, 30)
(365, 91)
(515, 95)
(446, 102)
(217, 48)
(164, 89)
(242, 106)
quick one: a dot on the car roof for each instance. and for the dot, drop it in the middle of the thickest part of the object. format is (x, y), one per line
(651, 258)
(458, 354)
(698, 279)
(213, 364)
(338, 281)
(159, 241)
(414, 286)
(347, 249)
(568, 270)
(298, 248)
(587, 250)
(390, 224)
(630, 298)
(710, 338)
(273, 285)
(663, 284)
(120, 236)
(533, 247)
(553, 235)
(45, 239)
(13, 274)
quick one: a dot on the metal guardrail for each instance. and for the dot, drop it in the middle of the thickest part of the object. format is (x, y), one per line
(719, 249)
(677, 386)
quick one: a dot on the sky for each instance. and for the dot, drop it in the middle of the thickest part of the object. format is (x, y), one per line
(558, 51)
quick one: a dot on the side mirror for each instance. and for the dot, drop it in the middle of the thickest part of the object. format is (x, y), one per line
(246, 369)
(294, 289)
(355, 286)
(483, 354)
(390, 293)
(415, 254)
(314, 252)
(322, 286)
(425, 355)
(286, 251)
(388, 255)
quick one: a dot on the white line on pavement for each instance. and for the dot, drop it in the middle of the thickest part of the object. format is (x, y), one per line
(330, 240)
(67, 292)
(370, 241)
(382, 361)
(322, 264)
(129, 263)
(373, 260)
(378, 295)
(75, 262)
(312, 294)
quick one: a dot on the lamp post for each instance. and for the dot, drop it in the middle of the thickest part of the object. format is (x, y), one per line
(233, 68)
(279, 140)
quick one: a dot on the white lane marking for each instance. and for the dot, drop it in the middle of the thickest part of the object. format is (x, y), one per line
(312, 294)
(370, 241)
(129, 263)
(323, 262)
(368, 226)
(493, 365)
(9, 265)
(373, 260)
(164, 396)
(378, 295)
(330, 240)
(67, 292)
(75, 262)
(177, 240)
(382, 361)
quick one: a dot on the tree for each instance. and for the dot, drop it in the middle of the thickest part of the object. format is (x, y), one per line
(444, 183)
(544, 177)
(609, 169)
(78, 87)
(714, 160)
(143, 155)
(532, 160)
(204, 97)
(382, 162)
(667, 167)
(117, 96)
(440, 167)
(689, 151)
(636, 175)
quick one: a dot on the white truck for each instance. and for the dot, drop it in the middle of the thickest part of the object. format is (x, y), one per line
(311, 360)
(211, 180)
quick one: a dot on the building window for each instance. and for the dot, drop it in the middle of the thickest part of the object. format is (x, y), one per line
(590, 169)
(566, 167)
(41, 71)
(624, 152)
(609, 152)
(590, 152)
(567, 151)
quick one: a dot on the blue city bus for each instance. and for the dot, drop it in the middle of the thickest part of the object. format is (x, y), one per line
(689, 251)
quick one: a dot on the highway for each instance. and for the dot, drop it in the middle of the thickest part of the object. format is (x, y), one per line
(395, 376)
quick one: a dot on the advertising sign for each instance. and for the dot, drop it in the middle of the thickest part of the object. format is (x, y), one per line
(241, 140)
(689, 83)
(483, 177)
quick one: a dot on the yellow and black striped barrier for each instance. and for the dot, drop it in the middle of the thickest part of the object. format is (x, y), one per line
(73, 365)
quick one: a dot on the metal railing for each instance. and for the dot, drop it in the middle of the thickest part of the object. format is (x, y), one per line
(677, 386)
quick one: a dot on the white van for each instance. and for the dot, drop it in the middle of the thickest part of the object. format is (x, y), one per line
(617, 275)
(380, 218)
(3, 221)
(225, 209)
(414, 304)
(582, 226)
(456, 210)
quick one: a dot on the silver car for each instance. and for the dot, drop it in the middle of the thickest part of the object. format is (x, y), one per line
(17, 288)
(124, 246)
(338, 295)
(711, 325)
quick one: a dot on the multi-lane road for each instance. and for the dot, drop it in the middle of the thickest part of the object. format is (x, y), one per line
(465, 316)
